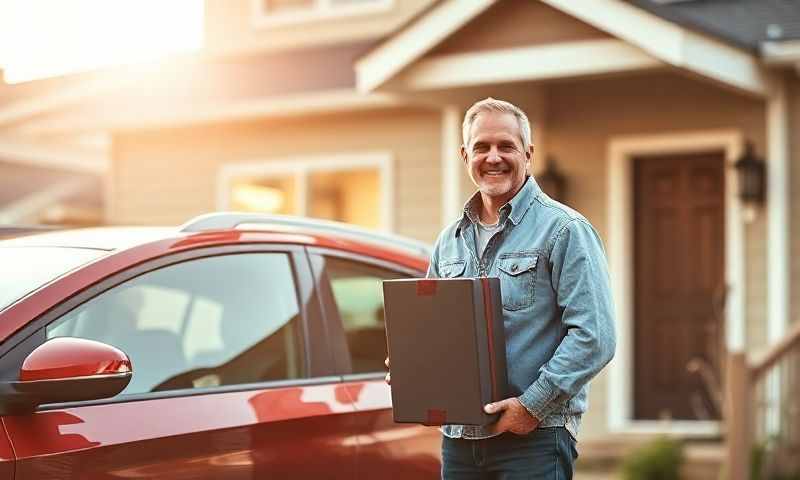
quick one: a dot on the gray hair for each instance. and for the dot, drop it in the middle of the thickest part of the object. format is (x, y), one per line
(493, 105)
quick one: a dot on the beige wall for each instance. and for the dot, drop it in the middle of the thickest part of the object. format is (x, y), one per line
(491, 29)
(582, 117)
(230, 27)
(169, 176)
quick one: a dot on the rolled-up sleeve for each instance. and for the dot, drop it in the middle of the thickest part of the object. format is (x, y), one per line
(579, 276)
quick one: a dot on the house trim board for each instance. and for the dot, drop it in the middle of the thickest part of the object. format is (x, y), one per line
(302, 166)
(781, 53)
(664, 40)
(25, 109)
(671, 43)
(540, 62)
(451, 164)
(322, 10)
(386, 60)
(621, 153)
(284, 106)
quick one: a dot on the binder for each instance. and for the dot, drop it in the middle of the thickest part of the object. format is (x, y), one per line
(447, 349)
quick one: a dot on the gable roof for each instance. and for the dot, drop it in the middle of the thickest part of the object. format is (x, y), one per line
(661, 38)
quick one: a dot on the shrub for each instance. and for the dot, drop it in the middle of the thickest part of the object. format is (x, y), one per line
(660, 459)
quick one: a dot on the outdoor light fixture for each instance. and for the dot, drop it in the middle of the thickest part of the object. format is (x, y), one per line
(752, 175)
(552, 181)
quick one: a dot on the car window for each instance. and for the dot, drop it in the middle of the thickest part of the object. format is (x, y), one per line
(358, 293)
(214, 321)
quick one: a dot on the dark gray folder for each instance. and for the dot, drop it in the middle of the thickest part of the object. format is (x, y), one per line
(447, 348)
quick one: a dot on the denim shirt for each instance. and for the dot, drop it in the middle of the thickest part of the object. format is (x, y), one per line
(557, 306)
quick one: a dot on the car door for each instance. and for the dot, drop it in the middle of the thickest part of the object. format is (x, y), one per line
(351, 292)
(231, 379)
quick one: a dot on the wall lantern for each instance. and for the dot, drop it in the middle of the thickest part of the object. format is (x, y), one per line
(552, 181)
(751, 171)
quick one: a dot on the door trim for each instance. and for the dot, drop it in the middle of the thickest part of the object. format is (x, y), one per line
(621, 152)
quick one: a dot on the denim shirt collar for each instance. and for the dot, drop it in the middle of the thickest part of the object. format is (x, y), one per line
(514, 210)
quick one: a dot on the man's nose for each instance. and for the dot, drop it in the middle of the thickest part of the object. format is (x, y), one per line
(494, 155)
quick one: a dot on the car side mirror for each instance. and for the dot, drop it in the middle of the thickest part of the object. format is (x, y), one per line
(66, 369)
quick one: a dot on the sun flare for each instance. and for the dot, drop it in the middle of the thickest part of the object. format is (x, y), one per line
(45, 38)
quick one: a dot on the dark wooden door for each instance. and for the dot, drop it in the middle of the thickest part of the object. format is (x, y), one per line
(679, 279)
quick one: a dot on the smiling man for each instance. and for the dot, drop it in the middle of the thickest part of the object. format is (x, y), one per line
(557, 305)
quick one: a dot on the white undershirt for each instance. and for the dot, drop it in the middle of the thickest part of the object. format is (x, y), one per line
(485, 233)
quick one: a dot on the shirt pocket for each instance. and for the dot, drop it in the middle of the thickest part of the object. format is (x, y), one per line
(451, 268)
(517, 279)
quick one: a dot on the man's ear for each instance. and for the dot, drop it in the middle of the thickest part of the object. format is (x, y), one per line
(529, 157)
(463, 152)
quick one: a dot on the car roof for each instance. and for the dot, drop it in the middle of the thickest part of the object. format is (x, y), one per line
(300, 230)
(101, 238)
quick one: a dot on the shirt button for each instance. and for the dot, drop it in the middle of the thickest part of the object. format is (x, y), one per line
(514, 267)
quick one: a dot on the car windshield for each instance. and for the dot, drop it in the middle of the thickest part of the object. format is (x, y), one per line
(25, 269)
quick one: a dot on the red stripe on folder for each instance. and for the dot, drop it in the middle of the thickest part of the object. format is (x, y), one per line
(488, 313)
(436, 417)
(426, 288)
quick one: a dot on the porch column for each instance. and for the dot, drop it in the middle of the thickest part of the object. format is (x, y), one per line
(778, 273)
(778, 262)
(451, 163)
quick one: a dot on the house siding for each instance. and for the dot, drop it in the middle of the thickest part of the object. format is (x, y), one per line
(169, 176)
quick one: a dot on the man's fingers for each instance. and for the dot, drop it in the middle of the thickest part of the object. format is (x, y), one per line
(500, 427)
(386, 362)
(496, 406)
(389, 378)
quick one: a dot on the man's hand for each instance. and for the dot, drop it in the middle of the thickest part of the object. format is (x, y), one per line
(514, 417)
(388, 374)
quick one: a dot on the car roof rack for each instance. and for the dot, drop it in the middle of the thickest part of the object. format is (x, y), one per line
(230, 220)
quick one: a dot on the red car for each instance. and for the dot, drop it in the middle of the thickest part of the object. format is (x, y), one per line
(237, 346)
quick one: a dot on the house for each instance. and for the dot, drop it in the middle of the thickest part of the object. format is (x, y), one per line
(351, 110)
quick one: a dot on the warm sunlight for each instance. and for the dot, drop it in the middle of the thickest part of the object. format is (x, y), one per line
(44, 38)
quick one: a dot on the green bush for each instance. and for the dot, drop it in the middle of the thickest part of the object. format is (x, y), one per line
(793, 476)
(660, 459)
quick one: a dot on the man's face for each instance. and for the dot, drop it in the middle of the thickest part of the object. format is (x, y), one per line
(495, 158)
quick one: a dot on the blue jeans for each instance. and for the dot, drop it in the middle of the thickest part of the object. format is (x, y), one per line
(544, 454)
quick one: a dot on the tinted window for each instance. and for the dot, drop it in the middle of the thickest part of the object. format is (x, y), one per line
(25, 269)
(359, 297)
(214, 321)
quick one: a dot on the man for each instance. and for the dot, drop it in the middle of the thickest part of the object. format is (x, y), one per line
(557, 305)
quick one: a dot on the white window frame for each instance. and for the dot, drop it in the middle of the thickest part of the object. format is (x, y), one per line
(322, 10)
(302, 167)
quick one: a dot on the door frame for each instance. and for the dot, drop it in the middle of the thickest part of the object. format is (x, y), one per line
(621, 152)
(334, 326)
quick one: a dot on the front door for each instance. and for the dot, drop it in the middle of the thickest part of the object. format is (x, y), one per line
(679, 284)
